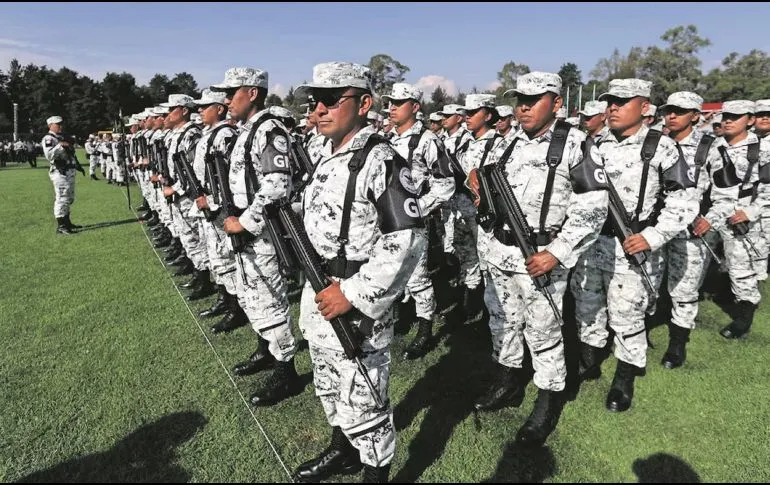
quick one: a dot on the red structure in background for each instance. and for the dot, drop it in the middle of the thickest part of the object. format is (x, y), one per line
(709, 107)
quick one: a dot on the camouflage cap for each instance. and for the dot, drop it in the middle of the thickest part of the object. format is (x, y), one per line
(420, 116)
(762, 106)
(739, 107)
(684, 100)
(176, 100)
(160, 110)
(717, 118)
(574, 121)
(628, 88)
(437, 117)
(593, 108)
(504, 110)
(404, 91)
(237, 77)
(302, 123)
(652, 110)
(452, 109)
(562, 113)
(280, 112)
(196, 118)
(54, 120)
(371, 115)
(331, 75)
(210, 97)
(535, 83)
(141, 116)
(476, 101)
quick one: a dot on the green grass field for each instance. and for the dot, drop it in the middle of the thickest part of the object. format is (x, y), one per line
(105, 375)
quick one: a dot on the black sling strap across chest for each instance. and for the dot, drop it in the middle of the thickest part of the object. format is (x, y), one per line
(649, 147)
(752, 155)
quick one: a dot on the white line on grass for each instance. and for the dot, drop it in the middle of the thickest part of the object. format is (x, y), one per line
(243, 398)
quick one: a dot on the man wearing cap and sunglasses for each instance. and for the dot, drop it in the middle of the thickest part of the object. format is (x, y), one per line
(593, 119)
(432, 176)
(557, 178)
(686, 256)
(740, 193)
(362, 217)
(260, 172)
(434, 125)
(61, 156)
(506, 125)
(643, 166)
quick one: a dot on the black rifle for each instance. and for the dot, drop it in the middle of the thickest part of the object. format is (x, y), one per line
(284, 224)
(621, 225)
(691, 228)
(122, 153)
(228, 204)
(71, 150)
(498, 198)
(302, 167)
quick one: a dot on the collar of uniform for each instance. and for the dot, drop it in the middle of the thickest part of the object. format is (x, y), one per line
(545, 137)
(635, 139)
(457, 134)
(357, 142)
(691, 140)
(413, 130)
(752, 138)
(183, 127)
(489, 134)
(255, 118)
(216, 125)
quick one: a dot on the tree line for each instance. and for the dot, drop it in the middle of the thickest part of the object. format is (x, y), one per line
(90, 105)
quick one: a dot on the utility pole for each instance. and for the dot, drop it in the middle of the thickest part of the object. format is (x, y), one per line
(15, 122)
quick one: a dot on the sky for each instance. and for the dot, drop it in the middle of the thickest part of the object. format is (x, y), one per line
(455, 45)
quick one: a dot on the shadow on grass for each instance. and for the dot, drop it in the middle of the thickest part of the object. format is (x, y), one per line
(145, 455)
(523, 465)
(664, 468)
(102, 225)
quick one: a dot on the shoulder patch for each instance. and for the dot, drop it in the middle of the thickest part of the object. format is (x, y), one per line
(397, 207)
(273, 159)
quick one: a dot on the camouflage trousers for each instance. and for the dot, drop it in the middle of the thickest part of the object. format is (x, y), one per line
(742, 264)
(348, 403)
(221, 258)
(687, 260)
(63, 190)
(763, 246)
(118, 171)
(465, 237)
(264, 300)
(189, 234)
(164, 211)
(103, 166)
(616, 296)
(93, 162)
(448, 220)
(519, 312)
(420, 287)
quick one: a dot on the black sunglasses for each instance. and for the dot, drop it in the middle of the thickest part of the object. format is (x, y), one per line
(329, 97)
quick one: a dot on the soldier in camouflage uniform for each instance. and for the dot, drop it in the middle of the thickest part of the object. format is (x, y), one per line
(593, 120)
(93, 158)
(434, 125)
(606, 287)
(372, 266)
(105, 157)
(481, 117)
(118, 163)
(762, 129)
(685, 255)
(432, 175)
(564, 227)
(218, 137)
(740, 192)
(506, 125)
(260, 171)
(61, 156)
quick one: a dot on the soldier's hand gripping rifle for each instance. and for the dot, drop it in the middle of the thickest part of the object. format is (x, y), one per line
(498, 205)
(238, 241)
(124, 156)
(293, 248)
(191, 184)
(621, 225)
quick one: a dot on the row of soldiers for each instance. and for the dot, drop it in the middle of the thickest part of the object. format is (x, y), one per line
(20, 151)
(606, 212)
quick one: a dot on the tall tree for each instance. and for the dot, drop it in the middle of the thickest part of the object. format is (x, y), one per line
(618, 65)
(184, 83)
(273, 100)
(159, 89)
(508, 75)
(738, 77)
(386, 71)
(570, 78)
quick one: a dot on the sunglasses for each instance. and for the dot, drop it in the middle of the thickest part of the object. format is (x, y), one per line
(398, 102)
(677, 111)
(332, 99)
(762, 114)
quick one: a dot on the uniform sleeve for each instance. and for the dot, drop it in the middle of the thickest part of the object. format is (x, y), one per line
(762, 203)
(680, 208)
(273, 185)
(392, 260)
(586, 213)
(722, 199)
(53, 150)
(440, 189)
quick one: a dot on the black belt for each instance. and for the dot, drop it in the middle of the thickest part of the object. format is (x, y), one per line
(505, 237)
(342, 268)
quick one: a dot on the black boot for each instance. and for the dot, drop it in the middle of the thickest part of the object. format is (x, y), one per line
(162, 241)
(744, 317)
(219, 307)
(186, 268)
(283, 384)
(419, 345)
(70, 224)
(340, 457)
(154, 220)
(62, 227)
(622, 388)
(234, 318)
(541, 423)
(194, 281)
(473, 303)
(507, 389)
(676, 353)
(204, 287)
(376, 474)
(143, 206)
(93, 177)
(180, 260)
(589, 368)
(260, 360)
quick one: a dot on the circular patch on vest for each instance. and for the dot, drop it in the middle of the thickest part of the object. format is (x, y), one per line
(281, 144)
(405, 177)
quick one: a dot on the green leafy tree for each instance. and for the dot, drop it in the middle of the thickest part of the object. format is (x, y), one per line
(386, 71)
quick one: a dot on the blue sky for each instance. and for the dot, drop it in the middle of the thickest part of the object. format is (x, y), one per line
(457, 45)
